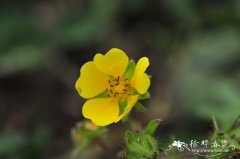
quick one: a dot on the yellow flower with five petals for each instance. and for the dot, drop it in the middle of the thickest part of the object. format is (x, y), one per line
(112, 84)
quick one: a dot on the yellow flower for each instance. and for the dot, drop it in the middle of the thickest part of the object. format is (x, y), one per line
(112, 84)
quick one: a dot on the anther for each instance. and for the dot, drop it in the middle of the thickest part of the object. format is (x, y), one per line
(125, 90)
(115, 94)
(111, 91)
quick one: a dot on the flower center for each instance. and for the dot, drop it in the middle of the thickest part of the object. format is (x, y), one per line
(118, 87)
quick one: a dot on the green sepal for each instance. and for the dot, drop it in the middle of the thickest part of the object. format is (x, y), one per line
(146, 95)
(101, 95)
(140, 107)
(125, 118)
(128, 74)
(133, 91)
(122, 104)
(152, 126)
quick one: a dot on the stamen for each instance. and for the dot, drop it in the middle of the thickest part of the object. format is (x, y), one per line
(118, 87)
(111, 91)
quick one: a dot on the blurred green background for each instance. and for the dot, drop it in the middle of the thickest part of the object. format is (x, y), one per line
(193, 47)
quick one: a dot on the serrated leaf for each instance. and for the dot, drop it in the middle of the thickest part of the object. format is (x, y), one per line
(128, 74)
(152, 126)
(140, 107)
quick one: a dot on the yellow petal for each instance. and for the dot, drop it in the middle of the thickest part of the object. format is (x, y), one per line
(91, 82)
(142, 83)
(113, 63)
(142, 65)
(140, 80)
(102, 111)
(131, 101)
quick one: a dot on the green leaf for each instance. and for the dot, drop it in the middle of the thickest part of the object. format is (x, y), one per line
(152, 143)
(152, 126)
(140, 107)
(233, 142)
(122, 103)
(236, 133)
(215, 124)
(233, 125)
(128, 74)
(130, 136)
(216, 129)
(139, 149)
